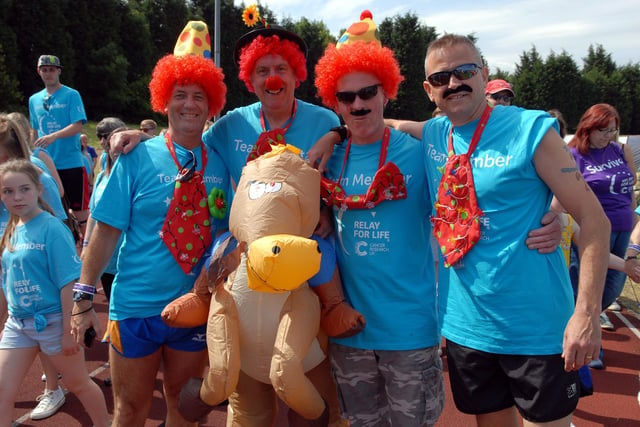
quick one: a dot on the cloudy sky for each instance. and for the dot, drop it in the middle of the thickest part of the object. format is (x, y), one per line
(504, 28)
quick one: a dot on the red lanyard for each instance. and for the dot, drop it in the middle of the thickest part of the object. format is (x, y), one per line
(287, 123)
(476, 134)
(172, 151)
(383, 152)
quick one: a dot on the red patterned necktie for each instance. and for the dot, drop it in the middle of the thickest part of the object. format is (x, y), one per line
(456, 224)
(388, 184)
(187, 228)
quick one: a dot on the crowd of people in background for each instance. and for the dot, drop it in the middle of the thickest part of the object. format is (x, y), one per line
(442, 202)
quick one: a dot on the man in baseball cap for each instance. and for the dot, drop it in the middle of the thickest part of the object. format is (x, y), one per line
(499, 92)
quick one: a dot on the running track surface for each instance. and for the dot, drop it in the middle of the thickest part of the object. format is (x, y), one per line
(614, 403)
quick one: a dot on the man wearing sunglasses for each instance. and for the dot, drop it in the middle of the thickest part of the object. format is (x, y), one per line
(499, 92)
(57, 114)
(494, 294)
(376, 185)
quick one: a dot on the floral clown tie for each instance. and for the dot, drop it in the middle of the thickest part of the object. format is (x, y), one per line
(456, 224)
(187, 227)
(387, 184)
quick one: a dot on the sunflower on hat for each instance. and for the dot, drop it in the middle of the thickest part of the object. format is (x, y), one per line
(251, 15)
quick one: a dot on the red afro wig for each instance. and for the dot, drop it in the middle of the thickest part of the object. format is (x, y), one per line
(358, 56)
(273, 45)
(174, 70)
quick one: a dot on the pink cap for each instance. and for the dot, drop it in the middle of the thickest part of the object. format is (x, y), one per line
(497, 85)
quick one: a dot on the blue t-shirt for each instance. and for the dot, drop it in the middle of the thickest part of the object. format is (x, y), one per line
(503, 297)
(63, 107)
(42, 262)
(384, 253)
(98, 189)
(135, 200)
(234, 135)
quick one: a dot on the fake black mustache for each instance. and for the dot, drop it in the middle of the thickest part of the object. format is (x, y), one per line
(461, 88)
(359, 113)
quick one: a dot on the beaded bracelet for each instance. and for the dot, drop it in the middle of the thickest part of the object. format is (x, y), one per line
(82, 312)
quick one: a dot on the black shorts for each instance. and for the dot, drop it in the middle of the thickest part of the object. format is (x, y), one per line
(76, 187)
(487, 382)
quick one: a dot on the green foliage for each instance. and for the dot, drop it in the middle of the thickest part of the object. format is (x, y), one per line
(109, 47)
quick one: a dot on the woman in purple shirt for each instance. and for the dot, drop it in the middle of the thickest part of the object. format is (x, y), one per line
(608, 168)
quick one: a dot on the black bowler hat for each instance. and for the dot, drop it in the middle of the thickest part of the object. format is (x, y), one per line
(269, 30)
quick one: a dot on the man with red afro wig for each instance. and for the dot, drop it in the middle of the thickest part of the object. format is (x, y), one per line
(378, 189)
(157, 197)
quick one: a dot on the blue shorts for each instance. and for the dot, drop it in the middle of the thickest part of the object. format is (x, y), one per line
(21, 333)
(141, 337)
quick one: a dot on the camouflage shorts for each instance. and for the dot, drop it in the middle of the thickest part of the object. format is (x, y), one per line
(389, 388)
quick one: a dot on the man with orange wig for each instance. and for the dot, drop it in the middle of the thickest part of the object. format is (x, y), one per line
(377, 186)
(157, 198)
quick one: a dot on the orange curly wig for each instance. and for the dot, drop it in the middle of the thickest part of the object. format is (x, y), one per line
(274, 45)
(174, 70)
(359, 56)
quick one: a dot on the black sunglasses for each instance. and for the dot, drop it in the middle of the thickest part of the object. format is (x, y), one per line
(102, 135)
(503, 98)
(46, 102)
(365, 94)
(462, 72)
(188, 169)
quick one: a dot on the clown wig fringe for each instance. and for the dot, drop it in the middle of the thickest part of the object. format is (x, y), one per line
(273, 45)
(359, 56)
(174, 70)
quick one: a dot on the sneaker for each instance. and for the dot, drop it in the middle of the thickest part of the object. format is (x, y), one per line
(44, 377)
(49, 404)
(615, 306)
(605, 323)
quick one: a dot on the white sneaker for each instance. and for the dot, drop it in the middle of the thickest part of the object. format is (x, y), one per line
(615, 306)
(605, 323)
(49, 404)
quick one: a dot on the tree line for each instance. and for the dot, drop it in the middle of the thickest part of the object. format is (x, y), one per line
(108, 49)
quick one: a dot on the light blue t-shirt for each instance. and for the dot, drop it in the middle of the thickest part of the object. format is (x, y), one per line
(384, 253)
(503, 297)
(136, 200)
(98, 189)
(63, 107)
(234, 135)
(43, 261)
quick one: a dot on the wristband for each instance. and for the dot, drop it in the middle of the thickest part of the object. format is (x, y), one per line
(81, 287)
(634, 247)
(342, 132)
(628, 257)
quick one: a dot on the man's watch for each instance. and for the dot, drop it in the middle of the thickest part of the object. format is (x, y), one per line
(342, 132)
(79, 296)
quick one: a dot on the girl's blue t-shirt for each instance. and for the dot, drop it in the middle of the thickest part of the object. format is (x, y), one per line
(42, 262)
(135, 200)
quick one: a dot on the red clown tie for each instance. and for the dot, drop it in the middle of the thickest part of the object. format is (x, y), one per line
(456, 224)
(187, 227)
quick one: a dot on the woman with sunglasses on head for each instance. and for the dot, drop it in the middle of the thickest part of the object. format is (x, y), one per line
(609, 170)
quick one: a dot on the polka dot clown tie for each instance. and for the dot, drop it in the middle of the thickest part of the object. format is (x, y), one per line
(187, 228)
(456, 224)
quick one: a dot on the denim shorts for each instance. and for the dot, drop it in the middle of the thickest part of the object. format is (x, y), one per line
(21, 333)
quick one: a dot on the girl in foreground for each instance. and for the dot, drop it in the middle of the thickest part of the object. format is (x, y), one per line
(39, 267)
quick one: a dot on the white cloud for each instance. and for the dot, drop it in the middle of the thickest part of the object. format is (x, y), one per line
(504, 28)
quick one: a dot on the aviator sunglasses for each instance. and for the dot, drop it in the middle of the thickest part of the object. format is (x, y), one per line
(187, 171)
(462, 72)
(365, 94)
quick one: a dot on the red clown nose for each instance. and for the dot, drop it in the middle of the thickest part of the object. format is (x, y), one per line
(273, 83)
